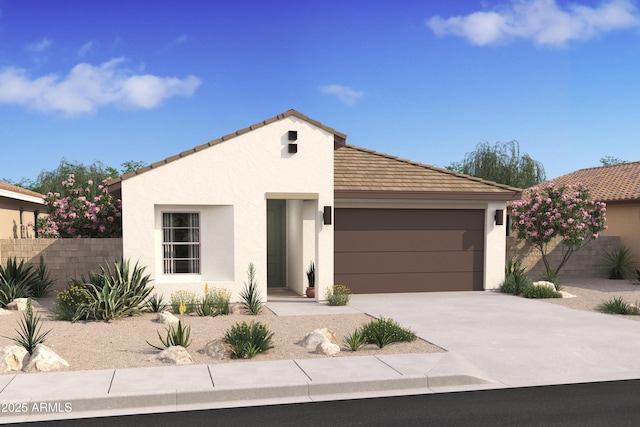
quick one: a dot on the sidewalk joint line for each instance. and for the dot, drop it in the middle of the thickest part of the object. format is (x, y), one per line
(401, 374)
(10, 381)
(111, 382)
(213, 384)
(303, 371)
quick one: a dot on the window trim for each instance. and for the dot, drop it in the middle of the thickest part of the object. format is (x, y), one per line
(195, 258)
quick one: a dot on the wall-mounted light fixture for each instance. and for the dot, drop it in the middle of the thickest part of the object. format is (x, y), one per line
(326, 215)
(499, 217)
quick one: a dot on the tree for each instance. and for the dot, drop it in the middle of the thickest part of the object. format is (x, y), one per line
(501, 163)
(548, 211)
(87, 210)
(51, 181)
(610, 161)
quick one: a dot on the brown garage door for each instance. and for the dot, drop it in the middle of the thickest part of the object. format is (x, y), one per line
(409, 250)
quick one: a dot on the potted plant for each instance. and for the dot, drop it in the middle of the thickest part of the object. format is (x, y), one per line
(311, 277)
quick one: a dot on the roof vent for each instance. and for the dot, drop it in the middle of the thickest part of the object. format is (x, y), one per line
(293, 135)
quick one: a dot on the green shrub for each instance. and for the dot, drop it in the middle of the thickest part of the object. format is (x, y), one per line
(538, 291)
(551, 276)
(250, 296)
(68, 302)
(29, 335)
(515, 285)
(175, 336)
(42, 286)
(617, 305)
(248, 340)
(338, 295)
(115, 293)
(17, 280)
(382, 332)
(355, 340)
(156, 304)
(215, 302)
(187, 298)
(620, 262)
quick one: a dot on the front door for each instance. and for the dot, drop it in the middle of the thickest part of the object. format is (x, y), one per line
(276, 243)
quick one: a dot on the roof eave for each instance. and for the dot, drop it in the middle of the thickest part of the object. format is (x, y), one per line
(426, 195)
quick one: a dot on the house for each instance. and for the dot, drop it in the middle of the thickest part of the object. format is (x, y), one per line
(289, 191)
(619, 187)
(18, 208)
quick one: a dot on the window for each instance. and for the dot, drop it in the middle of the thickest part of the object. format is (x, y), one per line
(181, 243)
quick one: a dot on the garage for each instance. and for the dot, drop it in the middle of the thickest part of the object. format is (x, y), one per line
(409, 250)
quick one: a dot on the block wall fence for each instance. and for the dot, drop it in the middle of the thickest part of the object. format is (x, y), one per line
(585, 262)
(65, 258)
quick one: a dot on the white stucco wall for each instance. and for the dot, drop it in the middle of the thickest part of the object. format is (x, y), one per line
(227, 184)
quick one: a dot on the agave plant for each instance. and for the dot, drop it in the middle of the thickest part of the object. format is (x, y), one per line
(620, 262)
(16, 280)
(29, 334)
(250, 295)
(175, 336)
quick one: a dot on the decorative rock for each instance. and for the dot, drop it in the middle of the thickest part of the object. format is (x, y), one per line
(566, 294)
(318, 336)
(4, 312)
(328, 349)
(549, 285)
(43, 359)
(175, 355)
(237, 308)
(217, 349)
(166, 317)
(11, 358)
(20, 304)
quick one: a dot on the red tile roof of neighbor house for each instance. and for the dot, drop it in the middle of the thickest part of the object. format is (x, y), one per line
(359, 172)
(19, 190)
(607, 183)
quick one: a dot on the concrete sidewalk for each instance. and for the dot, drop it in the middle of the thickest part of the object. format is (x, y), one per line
(492, 340)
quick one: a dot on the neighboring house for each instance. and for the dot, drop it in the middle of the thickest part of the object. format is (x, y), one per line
(619, 187)
(18, 207)
(287, 192)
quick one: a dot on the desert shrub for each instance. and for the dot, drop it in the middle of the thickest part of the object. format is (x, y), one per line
(215, 302)
(156, 303)
(17, 280)
(187, 298)
(515, 285)
(115, 292)
(355, 340)
(620, 262)
(42, 286)
(67, 303)
(338, 295)
(382, 332)
(29, 334)
(617, 305)
(175, 336)
(551, 276)
(247, 340)
(250, 296)
(538, 291)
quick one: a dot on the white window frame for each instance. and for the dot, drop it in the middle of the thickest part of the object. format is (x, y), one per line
(170, 244)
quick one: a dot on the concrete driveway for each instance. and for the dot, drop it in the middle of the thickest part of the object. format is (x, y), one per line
(517, 341)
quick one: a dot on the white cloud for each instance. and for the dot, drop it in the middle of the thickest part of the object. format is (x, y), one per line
(344, 93)
(175, 42)
(40, 46)
(85, 48)
(542, 21)
(88, 87)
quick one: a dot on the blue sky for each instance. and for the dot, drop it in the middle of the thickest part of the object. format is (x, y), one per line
(425, 80)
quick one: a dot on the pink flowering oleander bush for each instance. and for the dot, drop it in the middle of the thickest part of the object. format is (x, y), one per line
(548, 211)
(87, 211)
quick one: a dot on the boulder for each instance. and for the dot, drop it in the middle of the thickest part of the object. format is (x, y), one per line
(546, 284)
(217, 349)
(566, 294)
(20, 304)
(237, 308)
(4, 312)
(43, 359)
(327, 348)
(166, 317)
(318, 336)
(11, 358)
(174, 355)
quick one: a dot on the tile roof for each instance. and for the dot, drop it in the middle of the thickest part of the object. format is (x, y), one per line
(19, 190)
(358, 169)
(607, 183)
(339, 138)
